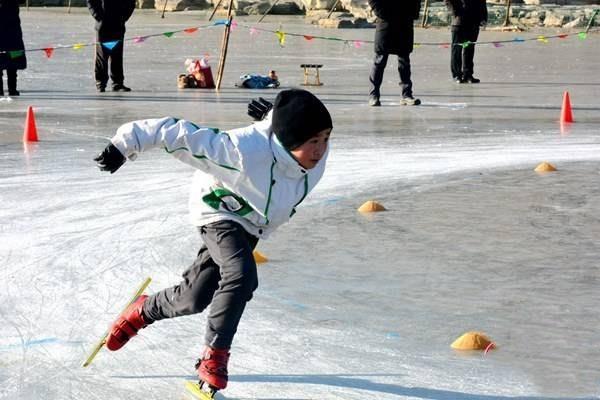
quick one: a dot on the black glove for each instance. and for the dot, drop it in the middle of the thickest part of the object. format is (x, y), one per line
(110, 159)
(259, 108)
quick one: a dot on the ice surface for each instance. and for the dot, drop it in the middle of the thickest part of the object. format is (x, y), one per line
(350, 306)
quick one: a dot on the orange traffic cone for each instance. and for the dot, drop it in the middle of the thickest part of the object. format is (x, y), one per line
(30, 133)
(565, 114)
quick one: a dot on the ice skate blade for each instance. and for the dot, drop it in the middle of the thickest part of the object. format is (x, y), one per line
(193, 388)
(100, 344)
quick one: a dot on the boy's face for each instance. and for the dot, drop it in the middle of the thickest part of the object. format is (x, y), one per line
(311, 151)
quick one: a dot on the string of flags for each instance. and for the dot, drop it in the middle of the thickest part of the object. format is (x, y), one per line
(281, 36)
(49, 51)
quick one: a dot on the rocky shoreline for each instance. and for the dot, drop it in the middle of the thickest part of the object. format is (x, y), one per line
(524, 14)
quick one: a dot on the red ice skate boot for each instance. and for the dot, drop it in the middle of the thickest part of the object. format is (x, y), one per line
(212, 367)
(127, 325)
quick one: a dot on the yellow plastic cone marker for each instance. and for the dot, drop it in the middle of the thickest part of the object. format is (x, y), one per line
(473, 341)
(371, 206)
(259, 258)
(545, 167)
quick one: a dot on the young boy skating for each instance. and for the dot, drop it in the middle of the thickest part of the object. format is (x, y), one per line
(249, 182)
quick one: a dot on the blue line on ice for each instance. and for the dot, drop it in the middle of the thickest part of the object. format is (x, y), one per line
(38, 342)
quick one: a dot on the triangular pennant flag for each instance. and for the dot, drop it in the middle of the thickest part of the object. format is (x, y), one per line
(582, 35)
(308, 37)
(16, 53)
(168, 34)
(190, 30)
(234, 25)
(253, 31)
(563, 36)
(465, 44)
(49, 51)
(139, 39)
(496, 44)
(542, 39)
(78, 46)
(221, 22)
(110, 45)
(518, 39)
(358, 44)
(281, 37)
(445, 45)
(416, 45)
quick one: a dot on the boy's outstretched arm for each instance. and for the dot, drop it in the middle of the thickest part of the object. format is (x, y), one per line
(201, 147)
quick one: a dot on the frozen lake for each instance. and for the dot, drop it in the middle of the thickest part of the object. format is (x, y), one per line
(350, 306)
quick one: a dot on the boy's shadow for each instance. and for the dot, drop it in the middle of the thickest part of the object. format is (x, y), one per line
(361, 381)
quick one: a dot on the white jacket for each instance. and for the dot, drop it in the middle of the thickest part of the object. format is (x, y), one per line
(244, 175)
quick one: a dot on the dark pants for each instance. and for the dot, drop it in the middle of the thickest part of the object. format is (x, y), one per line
(11, 80)
(461, 57)
(378, 68)
(224, 275)
(103, 55)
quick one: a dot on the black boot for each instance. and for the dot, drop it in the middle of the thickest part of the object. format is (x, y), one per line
(12, 82)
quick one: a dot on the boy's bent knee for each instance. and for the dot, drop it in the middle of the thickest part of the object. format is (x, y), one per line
(244, 284)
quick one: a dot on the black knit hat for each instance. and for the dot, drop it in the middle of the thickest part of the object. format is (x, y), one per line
(298, 116)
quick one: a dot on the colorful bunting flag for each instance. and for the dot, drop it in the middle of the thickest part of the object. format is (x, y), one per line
(496, 44)
(582, 35)
(139, 39)
(78, 46)
(280, 37)
(16, 53)
(190, 30)
(563, 36)
(168, 34)
(358, 44)
(110, 45)
(308, 37)
(48, 51)
(542, 39)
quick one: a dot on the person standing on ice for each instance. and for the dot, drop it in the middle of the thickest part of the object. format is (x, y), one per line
(249, 182)
(467, 17)
(12, 48)
(394, 34)
(110, 16)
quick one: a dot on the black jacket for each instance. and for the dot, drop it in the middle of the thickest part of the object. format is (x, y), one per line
(110, 16)
(395, 33)
(467, 12)
(11, 36)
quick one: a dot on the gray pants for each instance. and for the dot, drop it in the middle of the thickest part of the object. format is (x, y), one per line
(224, 275)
